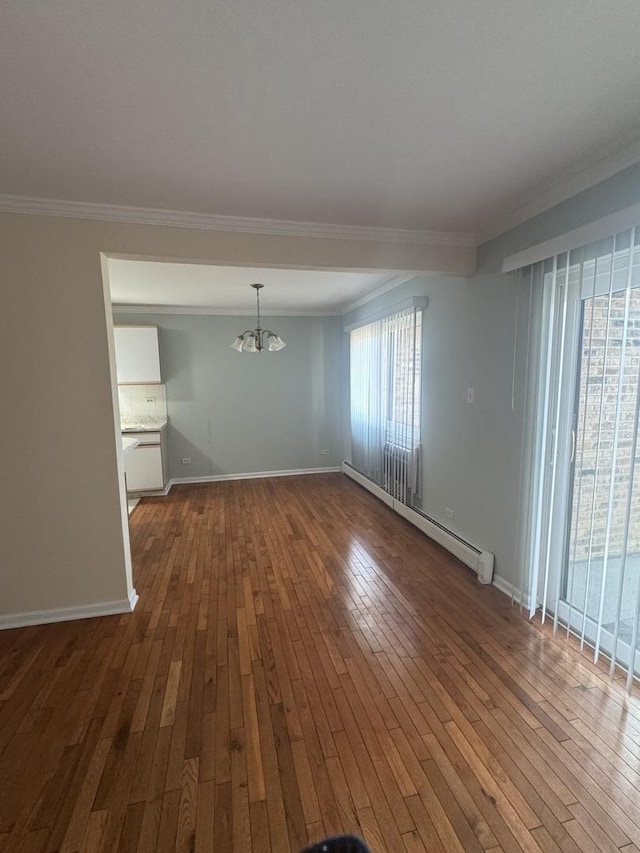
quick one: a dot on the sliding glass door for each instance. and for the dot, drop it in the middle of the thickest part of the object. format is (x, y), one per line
(586, 545)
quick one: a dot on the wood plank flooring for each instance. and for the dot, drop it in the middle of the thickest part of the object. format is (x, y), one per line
(302, 662)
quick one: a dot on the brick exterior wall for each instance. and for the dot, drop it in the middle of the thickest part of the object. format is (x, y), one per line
(600, 384)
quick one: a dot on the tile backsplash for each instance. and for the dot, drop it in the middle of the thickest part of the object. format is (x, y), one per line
(142, 401)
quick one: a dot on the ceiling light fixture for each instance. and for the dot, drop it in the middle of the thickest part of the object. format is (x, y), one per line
(256, 340)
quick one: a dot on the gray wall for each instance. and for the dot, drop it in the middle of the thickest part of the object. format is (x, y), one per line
(234, 413)
(475, 335)
(470, 452)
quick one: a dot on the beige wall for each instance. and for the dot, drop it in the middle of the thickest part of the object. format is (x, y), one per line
(61, 537)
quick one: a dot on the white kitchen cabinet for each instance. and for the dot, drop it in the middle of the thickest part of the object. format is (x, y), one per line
(137, 354)
(146, 465)
(143, 467)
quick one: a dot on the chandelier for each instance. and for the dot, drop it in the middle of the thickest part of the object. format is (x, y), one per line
(256, 340)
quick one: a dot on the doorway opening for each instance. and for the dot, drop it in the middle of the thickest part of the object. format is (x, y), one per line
(238, 415)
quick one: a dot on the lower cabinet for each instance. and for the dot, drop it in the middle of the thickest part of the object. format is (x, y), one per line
(145, 466)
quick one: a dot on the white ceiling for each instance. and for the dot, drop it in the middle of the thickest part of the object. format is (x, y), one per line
(423, 114)
(226, 290)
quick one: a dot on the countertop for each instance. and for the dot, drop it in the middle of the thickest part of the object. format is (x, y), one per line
(128, 443)
(146, 423)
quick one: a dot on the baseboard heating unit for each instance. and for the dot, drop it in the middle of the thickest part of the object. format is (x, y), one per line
(400, 466)
(481, 562)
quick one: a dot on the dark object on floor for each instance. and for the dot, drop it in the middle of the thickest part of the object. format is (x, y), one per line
(340, 844)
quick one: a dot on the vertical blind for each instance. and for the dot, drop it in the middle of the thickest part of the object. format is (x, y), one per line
(385, 393)
(585, 544)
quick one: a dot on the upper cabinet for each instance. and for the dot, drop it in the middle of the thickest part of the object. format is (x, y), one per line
(137, 354)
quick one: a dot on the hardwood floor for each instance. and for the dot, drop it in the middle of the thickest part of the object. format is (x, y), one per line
(303, 662)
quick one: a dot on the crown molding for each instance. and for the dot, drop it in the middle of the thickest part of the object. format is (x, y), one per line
(239, 224)
(598, 168)
(123, 308)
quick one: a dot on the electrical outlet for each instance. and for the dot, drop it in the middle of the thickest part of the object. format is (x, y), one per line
(150, 400)
(470, 395)
(186, 460)
(449, 513)
(325, 452)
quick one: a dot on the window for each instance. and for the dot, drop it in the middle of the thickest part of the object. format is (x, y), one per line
(385, 375)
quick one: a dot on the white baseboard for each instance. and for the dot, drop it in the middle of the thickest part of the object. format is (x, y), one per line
(133, 599)
(481, 562)
(151, 493)
(367, 484)
(254, 475)
(67, 614)
(512, 591)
